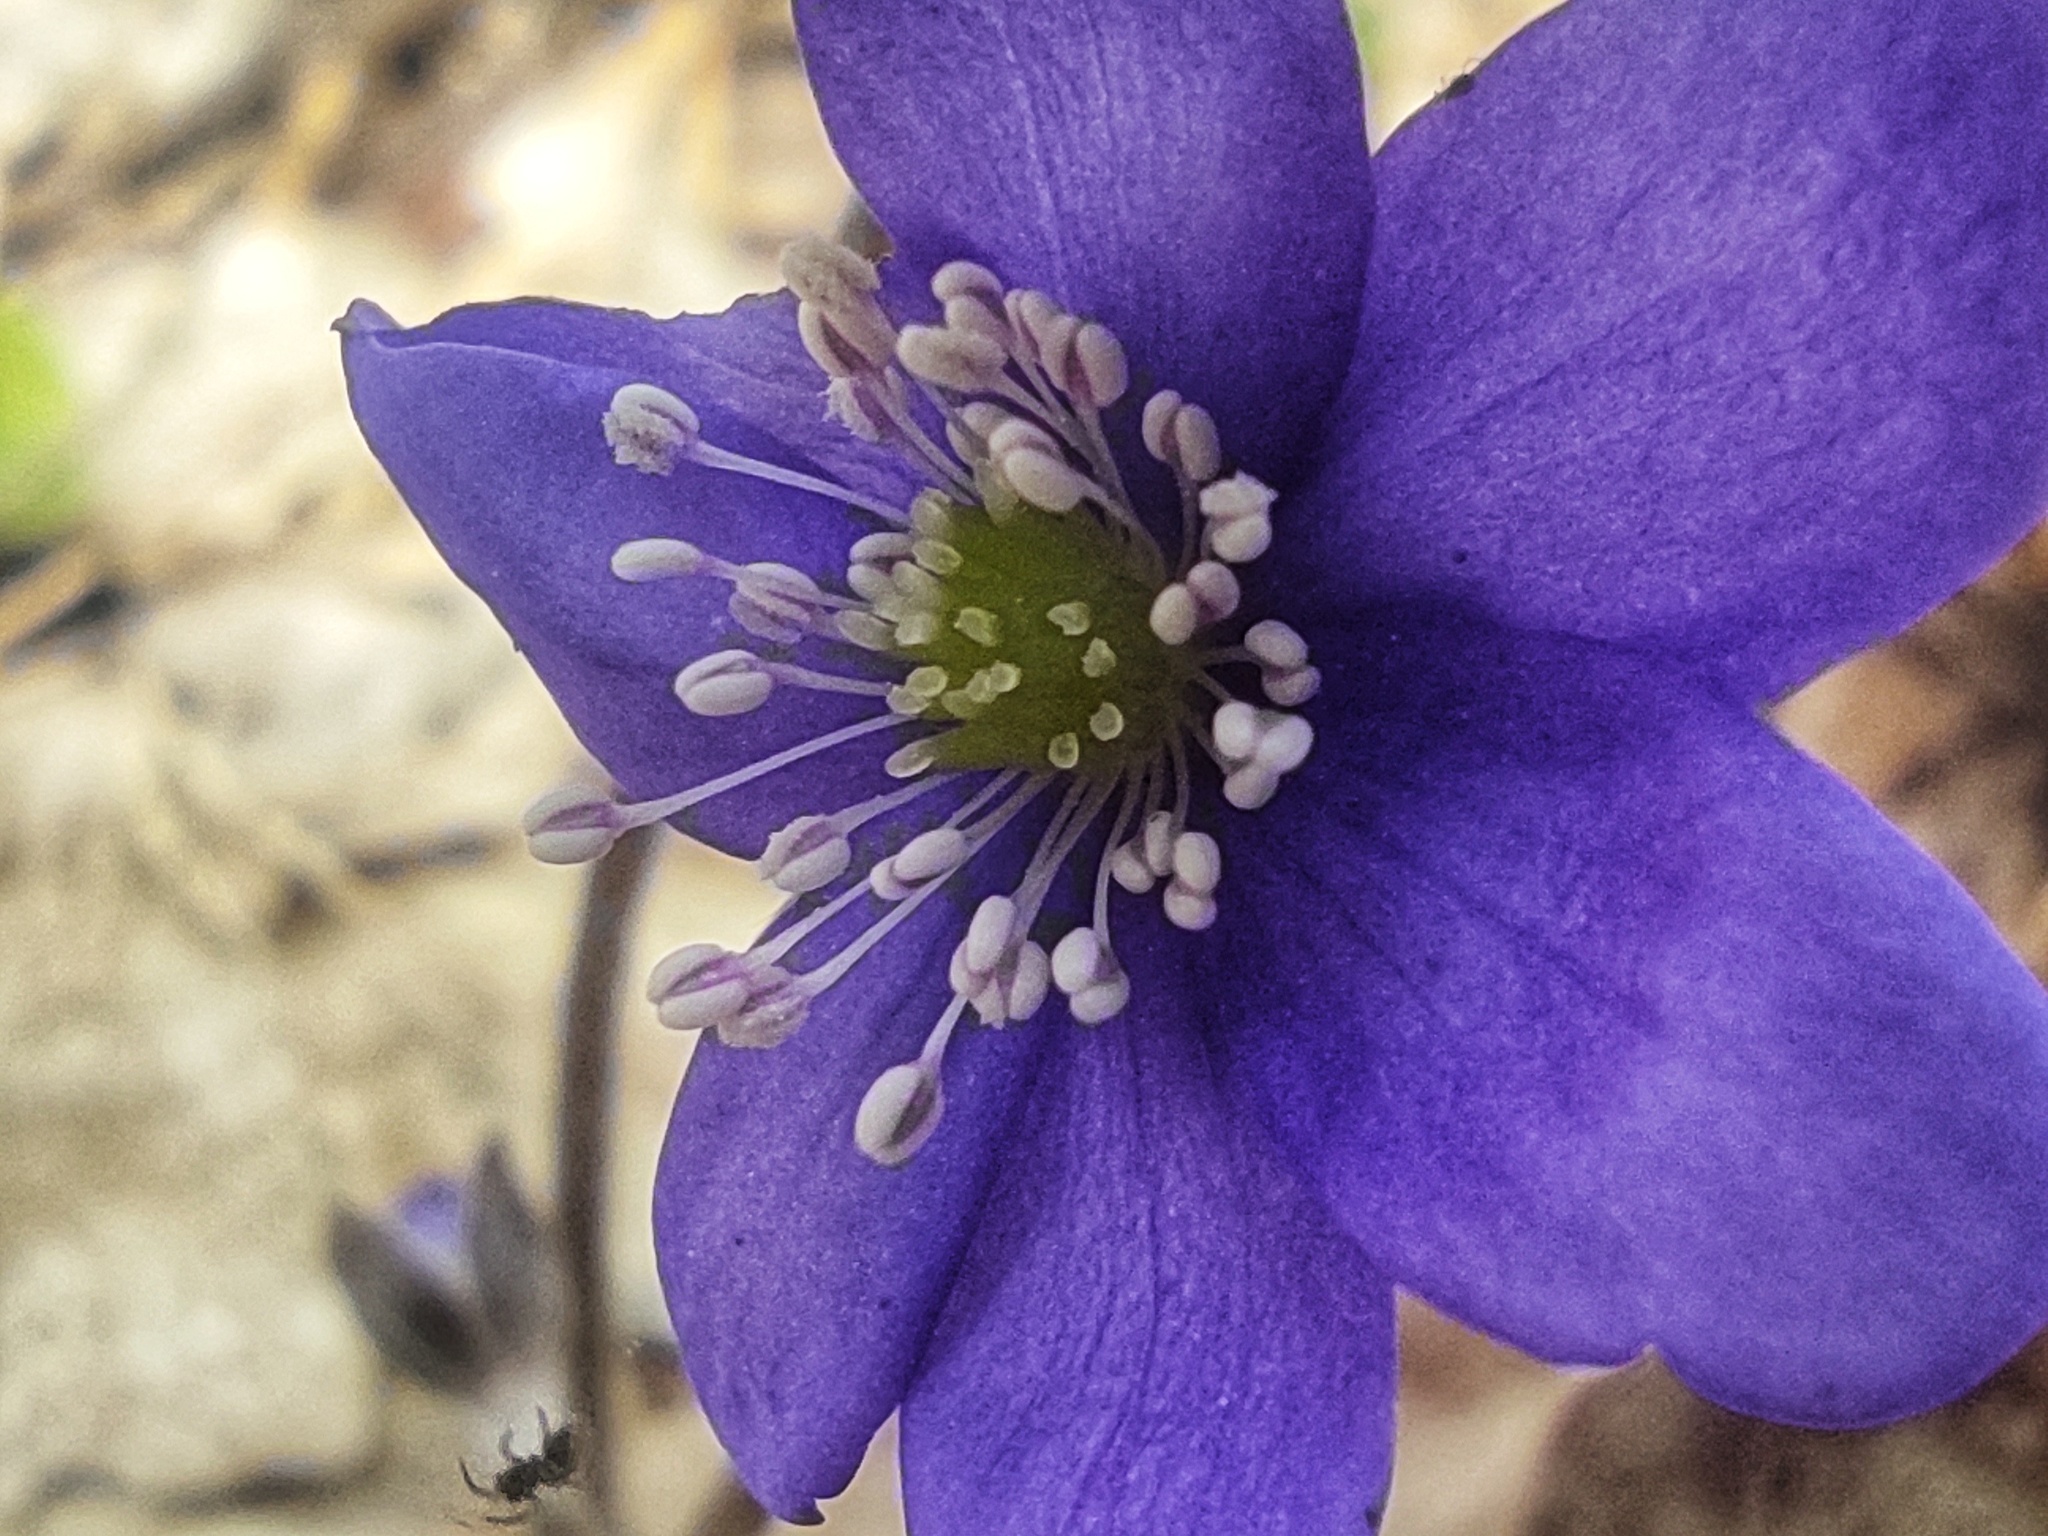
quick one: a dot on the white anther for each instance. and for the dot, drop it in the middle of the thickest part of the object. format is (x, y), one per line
(920, 588)
(1031, 312)
(773, 601)
(1188, 909)
(1237, 497)
(771, 624)
(807, 855)
(965, 279)
(851, 403)
(981, 420)
(930, 855)
(649, 429)
(870, 582)
(1157, 425)
(951, 359)
(1077, 960)
(1198, 450)
(822, 271)
(898, 1113)
(698, 986)
(1008, 434)
(1014, 989)
(865, 630)
(1292, 688)
(1100, 373)
(656, 559)
(1175, 614)
(1102, 1002)
(1087, 972)
(1128, 868)
(1024, 983)
(1055, 345)
(1250, 786)
(1276, 645)
(972, 316)
(749, 1002)
(902, 701)
(1285, 744)
(1157, 843)
(1043, 479)
(908, 761)
(766, 580)
(880, 549)
(1234, 728)
(915, 629)
(571, 824)
(1214, 588)
(724, 683)
(1197, 862)
(829, 347)
(1241, 540)
(988, 935)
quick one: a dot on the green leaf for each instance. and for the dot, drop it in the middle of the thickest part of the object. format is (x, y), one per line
(41, 491)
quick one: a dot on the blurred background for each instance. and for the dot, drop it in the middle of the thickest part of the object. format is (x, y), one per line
(269, 945)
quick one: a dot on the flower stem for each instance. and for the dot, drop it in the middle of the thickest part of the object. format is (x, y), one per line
(584, 1106)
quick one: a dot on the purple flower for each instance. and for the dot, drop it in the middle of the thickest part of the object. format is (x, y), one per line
(1700, 343)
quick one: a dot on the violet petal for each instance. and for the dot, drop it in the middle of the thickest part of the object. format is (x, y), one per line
(490, 421)
(1192, 173)
(1716, 325)
(1156, 1328)
(1605, 1019)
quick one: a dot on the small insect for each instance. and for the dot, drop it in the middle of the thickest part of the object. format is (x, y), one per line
(520, 1481)
(1460, 85)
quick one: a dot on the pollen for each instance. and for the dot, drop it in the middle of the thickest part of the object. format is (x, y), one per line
(1070, 618)
(978, 625)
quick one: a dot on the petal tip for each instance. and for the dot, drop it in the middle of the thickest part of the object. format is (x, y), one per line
(361, 316)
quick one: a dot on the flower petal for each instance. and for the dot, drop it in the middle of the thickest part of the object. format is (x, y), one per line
(1604, 1019)
(490, 421)
(1155, 1328)
(1719, 325)
(803, 1279)
(1193, 173)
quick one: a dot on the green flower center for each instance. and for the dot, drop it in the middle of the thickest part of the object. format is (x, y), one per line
(1034, 636)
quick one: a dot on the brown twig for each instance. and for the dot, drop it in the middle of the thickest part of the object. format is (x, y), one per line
(41, 594)
(583, 1147)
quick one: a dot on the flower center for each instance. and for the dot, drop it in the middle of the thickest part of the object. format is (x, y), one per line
(1040, 643)
(1031, 650)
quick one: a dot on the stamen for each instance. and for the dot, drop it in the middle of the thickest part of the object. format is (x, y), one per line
(902, 1107)
(652, 431)
(724, 683)
(1240, 525)
(571, 825)
(826, 975)
(750, 1003)
(811, 852)
(1087, 972)
(927, 857)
